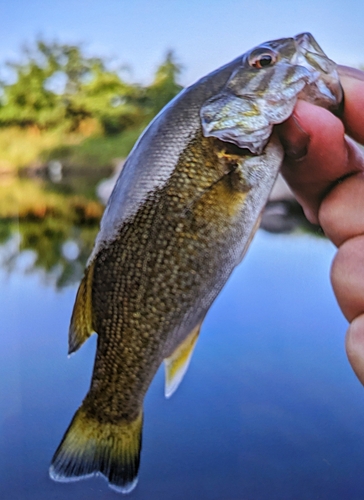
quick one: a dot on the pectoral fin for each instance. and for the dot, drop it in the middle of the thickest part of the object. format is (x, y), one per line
(81, 322)
(177, 364)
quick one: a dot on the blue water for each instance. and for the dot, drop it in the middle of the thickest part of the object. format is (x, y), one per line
(269, 408)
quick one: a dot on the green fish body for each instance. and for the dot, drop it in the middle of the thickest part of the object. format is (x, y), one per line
(179, 220)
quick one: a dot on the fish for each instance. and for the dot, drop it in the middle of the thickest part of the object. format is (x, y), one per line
(179, 220)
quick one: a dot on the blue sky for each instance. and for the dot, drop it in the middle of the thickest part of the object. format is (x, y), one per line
(204, 33)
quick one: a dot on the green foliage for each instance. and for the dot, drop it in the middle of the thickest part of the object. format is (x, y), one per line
(97, 152)
(22, 147)
(46, 242)
(114, 103)
(43, 221)
(63, 105)
(34, 200)
(27, 101)
(57, 85)
(165, 86)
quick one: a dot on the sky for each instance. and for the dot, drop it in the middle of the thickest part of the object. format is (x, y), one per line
(204, 34)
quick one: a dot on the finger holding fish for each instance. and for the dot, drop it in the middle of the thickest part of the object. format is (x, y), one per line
(326, 171)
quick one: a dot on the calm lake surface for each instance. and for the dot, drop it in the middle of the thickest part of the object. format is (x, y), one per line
(269, 408)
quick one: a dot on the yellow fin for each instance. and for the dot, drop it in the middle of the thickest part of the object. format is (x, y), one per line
(177, 364)
(92, 447)
(81, 322)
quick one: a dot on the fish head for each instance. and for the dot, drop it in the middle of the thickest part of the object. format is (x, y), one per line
(303, 62)
(263, 90)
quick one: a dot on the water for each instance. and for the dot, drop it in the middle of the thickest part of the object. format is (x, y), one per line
(269, 408)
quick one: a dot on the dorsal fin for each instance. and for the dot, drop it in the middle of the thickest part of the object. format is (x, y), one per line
(81, 326)
(176, 365)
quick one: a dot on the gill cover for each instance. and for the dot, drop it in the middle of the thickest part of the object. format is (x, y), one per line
(245, 118)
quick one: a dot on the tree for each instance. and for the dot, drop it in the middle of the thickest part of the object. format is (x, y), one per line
(57, 85)
(116, 105)
(28, 101)
(165, 85)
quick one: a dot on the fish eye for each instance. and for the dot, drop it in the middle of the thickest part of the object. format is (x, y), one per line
(262, 58)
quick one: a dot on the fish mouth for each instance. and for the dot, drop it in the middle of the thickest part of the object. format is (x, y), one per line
(324, 87)
(310, 55)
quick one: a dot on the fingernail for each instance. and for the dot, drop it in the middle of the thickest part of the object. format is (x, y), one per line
(357, 74)
(294, 138)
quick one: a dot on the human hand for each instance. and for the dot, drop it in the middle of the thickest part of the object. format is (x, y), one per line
(325, 169)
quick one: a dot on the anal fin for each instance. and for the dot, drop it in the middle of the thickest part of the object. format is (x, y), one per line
(177, 364)
(81, 326)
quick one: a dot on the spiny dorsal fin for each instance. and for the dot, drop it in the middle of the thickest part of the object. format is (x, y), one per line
(177, 364)
(81, 326)
(91, 447)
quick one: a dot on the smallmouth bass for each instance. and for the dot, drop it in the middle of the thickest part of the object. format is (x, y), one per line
(179, 220)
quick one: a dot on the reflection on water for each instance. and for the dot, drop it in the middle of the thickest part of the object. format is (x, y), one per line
(268, 409)
(54, 231)
(52, 227)
(57, 249)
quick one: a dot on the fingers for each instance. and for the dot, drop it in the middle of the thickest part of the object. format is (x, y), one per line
(350, 72)
(347, 277)
(317, 155)
(325, 169)
(352, 81)
(341, 212)
(341, 216)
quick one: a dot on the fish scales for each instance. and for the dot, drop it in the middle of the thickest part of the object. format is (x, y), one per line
(179, 220)
(159, 281)
(166, 138)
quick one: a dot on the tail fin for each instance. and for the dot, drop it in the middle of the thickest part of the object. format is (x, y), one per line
(91, 447)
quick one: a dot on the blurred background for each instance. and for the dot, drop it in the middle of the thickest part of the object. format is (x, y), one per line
(270, 407)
